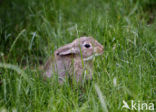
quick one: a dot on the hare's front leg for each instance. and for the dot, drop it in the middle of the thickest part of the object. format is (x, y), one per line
(78, 70)
(83, 70)
(61, 70)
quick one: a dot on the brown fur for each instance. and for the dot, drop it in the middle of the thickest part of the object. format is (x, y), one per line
(71, 59)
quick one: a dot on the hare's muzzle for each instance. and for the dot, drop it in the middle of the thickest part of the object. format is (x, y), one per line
(99, 50)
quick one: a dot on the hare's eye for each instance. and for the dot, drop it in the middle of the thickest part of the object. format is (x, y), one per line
(87, 45)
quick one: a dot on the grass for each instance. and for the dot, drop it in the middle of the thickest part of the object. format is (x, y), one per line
(30, 31)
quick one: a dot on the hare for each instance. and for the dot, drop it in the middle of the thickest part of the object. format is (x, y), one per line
(74, 59)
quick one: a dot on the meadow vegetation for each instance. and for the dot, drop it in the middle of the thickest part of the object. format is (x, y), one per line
(30, 31)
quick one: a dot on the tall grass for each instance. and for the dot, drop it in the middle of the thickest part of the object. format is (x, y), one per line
(30, 31)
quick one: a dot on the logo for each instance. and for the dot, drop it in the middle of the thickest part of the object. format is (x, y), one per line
(137, 105)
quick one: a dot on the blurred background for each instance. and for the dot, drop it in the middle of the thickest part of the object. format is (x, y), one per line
(38, 27)
(30, 31)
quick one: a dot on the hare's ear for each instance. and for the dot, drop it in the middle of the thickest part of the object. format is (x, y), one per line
(67, 49)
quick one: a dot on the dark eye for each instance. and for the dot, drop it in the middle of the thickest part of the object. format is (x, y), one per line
(87, 45)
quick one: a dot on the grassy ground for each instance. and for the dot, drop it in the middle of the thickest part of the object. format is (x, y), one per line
(30, 31)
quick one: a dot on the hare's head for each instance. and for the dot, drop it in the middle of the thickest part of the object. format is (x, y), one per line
(87, 47)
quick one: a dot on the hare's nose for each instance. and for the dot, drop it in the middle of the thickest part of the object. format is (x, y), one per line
(99, 50)
(102, 47)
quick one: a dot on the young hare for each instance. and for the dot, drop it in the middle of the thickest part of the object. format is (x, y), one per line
(74, 59)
